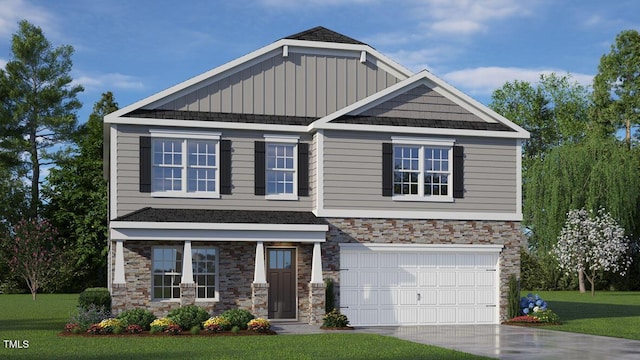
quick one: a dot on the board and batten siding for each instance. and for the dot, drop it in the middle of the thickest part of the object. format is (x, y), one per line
(129, 198)
(422, 102)
(297, 85)
(353, 175)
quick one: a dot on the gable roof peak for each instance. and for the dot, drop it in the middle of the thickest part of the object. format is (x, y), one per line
(321, 33)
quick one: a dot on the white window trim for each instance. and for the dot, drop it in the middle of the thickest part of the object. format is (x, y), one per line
(153, 298)
(217, 275)
(422, 143)
(185, 136)
(285, 140)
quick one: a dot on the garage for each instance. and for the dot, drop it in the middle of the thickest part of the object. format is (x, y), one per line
(415, 284)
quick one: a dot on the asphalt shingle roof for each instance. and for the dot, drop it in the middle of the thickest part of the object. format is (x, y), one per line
(222, 117)
(431, 123)
(149, 214)
(323, 34)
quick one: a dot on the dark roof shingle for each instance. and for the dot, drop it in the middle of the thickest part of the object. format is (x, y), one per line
(323, 34)
(149, 214)
(222, 117)
(421, 123)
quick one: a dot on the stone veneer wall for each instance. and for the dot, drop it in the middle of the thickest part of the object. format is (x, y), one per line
(405, 231)
(235, 271)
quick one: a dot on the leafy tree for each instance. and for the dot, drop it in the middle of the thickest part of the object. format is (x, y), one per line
(592, 174)
(555, 111)
(38, 104)
(32, 253)
(76, 194)
(617, 85)
(592, 243)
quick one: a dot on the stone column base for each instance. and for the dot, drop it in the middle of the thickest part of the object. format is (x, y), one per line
(118, 298)
(316, 303)
(260, 300)
(187, 294)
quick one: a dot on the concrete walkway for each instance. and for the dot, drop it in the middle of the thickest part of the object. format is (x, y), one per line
(499, 341)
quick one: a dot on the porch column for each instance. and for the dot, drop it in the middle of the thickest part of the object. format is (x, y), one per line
(187, 266)
(260, 288)
(316, 265)
(118, 277)
(259, 275)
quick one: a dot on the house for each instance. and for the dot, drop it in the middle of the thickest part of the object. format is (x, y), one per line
(315, 157)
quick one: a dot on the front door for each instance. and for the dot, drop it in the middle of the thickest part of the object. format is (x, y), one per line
(281, 275)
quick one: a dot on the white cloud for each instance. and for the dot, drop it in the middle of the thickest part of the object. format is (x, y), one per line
(484, 80)
(425, 58)
(16, 10)
(110, 81)
(466, 17)
(3, 63)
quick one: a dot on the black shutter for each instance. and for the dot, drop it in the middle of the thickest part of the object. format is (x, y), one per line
(303, 169)
(387, 169)
(145, 164)
(458, 172)
(259, 168)
(225, 167)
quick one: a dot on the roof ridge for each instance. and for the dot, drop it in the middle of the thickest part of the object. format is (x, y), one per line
(321, 33)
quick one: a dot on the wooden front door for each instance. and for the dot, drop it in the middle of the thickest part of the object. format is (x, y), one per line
(281, 275)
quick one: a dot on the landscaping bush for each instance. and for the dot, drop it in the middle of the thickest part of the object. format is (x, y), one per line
(329, 296)
(514, 297)
(87, 316)
(160, 325)
(188, 316)
(238, 317)
(140, 317)
(217, 323)
(259, 325)
(99, 297)
(334, 319)
(111, 325)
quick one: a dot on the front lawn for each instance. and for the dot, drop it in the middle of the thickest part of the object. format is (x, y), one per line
(608, 313)
(40, 321)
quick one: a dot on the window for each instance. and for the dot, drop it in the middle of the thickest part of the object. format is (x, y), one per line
(418, 169)
(280, 169)
(204, 262)
(186, 166)
(167, 272)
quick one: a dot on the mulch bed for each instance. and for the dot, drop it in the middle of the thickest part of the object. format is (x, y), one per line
(184, 333)
(337, 328)
(532, 324)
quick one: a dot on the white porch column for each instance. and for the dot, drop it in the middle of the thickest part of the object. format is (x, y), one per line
(187, 266)
(316, 265)
(260, 276)
(118, 277)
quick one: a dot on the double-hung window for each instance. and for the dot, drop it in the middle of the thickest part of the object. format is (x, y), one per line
(281, 167)
(205, 270)
(423, 169)
(166, 268)
(185, 164)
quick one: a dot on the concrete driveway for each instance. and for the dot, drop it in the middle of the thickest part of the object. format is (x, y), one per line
(499, 341)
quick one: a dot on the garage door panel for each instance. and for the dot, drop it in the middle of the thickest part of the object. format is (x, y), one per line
(385, 287)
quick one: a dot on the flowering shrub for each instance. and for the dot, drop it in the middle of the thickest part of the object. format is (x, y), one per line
(525, 319)
(72, 328)
(161, 324)
(335, 319)
(110, 324)
(173, 329)
(259, 325)
(535, 310)
(85, 317)
(95, 329)
(532, 303)
(546, 316)
(133, 329)
(217, 323)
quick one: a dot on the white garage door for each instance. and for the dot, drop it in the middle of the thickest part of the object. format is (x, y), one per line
(385, 284)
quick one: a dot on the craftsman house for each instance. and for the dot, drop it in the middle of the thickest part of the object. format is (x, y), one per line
(311, 158)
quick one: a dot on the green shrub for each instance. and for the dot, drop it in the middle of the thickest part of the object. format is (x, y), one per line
(334, 319)
(99, 297)
(329, 296)
(238, 317)
(195, 330)
(87, 316)
(514, 297)
(188, 316)
(140, 317)
(235, 329)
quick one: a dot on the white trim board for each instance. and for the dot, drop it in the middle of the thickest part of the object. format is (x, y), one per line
(420, 215)
(129, 234)
(458, 248)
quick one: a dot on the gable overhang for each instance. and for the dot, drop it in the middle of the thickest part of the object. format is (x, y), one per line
(283, 46)
(439, 86)
(183, 231)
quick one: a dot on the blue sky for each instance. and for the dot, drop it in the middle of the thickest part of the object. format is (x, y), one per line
(136, 48)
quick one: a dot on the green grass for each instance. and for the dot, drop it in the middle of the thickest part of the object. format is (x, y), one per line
(608, 313)
(40, 321)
